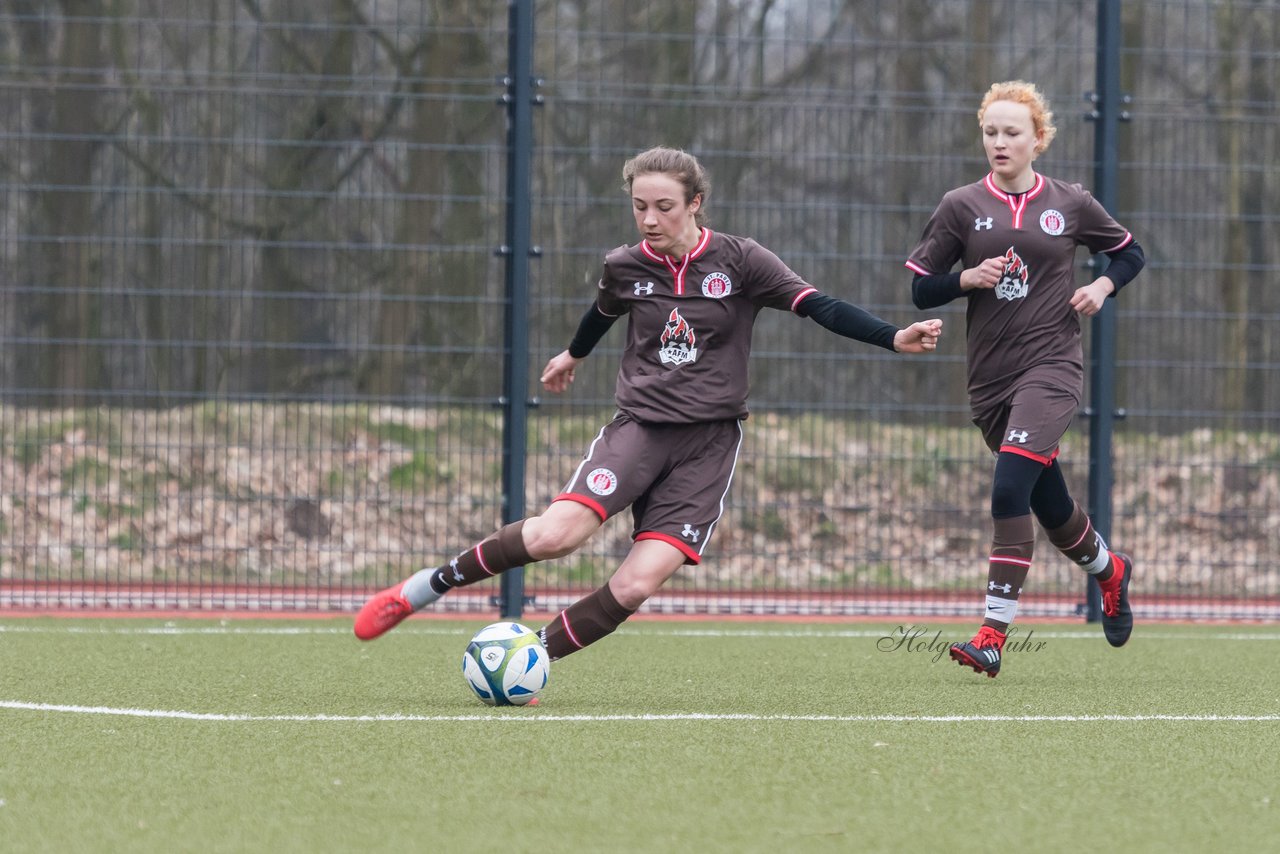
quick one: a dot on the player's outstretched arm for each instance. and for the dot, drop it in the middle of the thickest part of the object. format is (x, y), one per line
(558, 374)
(849, 320)
(920, 337)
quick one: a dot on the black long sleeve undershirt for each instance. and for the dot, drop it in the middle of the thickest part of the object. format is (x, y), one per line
(591, 329)
(941, 288)
(1124, 265)
(840, 317)
(847, 319)
(935, 290)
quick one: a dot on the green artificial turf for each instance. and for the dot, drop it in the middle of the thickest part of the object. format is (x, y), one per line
(142, 735)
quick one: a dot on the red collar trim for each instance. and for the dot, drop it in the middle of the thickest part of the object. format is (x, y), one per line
(678, 268)
(1016, 205)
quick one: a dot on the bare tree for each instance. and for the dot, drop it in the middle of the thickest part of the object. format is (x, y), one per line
(62, 263)
(1242, 83)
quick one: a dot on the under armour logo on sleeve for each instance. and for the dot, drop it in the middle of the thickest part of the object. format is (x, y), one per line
(979, 223)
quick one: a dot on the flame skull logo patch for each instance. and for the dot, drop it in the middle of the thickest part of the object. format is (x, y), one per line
(1013, 284)
(678, 341)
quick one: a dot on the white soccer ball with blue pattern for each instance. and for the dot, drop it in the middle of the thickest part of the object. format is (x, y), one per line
(506, 664)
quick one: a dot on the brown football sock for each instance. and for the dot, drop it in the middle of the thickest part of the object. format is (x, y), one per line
(1082, 544)
(1012, 546)
(583, 623)
(496, 554)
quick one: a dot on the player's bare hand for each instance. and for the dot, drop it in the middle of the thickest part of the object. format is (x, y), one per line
(985, 275)
(1090, 299)
(558, 374)
(920, 337)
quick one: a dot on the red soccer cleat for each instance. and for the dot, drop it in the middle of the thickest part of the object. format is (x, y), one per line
(1117, 615)
(982, 653)
(382, 613)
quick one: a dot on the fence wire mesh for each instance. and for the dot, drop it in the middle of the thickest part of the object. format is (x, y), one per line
(251, 326)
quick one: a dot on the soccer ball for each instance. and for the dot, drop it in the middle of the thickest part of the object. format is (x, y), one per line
(506, 664)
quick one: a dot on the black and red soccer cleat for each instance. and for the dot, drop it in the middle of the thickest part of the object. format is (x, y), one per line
(1117, 616)
(982, 653)
(383, 612)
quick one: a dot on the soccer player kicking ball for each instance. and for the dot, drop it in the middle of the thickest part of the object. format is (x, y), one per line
(691, 297)
(1015, 234)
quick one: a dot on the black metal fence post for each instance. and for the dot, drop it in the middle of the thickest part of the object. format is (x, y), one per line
(1106, 115)
(519, 100)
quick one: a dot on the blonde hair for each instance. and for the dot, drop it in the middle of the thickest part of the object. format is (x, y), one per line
(1022, 92)
(680, 165)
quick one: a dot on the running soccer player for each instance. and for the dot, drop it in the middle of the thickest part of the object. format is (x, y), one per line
(691, 297)
(1015, 234)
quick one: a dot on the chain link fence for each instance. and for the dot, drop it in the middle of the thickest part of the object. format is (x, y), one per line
(251, 325)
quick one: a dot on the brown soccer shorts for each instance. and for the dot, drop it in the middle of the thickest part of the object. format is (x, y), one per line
(675, 478)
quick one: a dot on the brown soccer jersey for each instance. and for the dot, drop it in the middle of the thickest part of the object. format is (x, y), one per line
(1026, 322)
(690, 324)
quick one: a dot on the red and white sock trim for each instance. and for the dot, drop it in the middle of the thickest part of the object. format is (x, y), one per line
(480, 560)
(1088, 528)
(568, 630)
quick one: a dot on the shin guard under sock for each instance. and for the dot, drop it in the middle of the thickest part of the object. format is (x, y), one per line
(1078, 540)
(1012, 547)
(496, 554)
(583, 623)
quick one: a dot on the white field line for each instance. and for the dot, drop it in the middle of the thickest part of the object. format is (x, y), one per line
(926, 632)
(528, 716)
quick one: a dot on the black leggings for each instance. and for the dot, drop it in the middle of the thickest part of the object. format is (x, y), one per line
(1022, 485)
